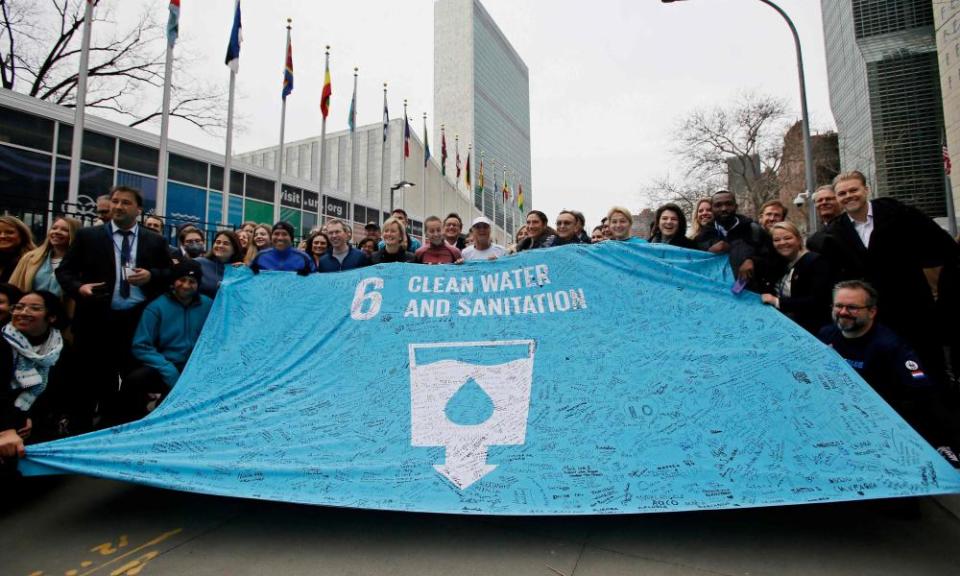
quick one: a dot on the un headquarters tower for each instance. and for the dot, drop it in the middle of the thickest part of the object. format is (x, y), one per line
(482, 94)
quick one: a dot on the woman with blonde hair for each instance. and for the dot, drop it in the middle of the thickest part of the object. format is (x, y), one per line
(804, 292)
(15, 241)
(621, 221)
(395, 244)
(259, 241)
(37, 269)
(702, 216)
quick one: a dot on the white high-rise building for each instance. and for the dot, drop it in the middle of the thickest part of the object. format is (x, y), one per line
(482, 95)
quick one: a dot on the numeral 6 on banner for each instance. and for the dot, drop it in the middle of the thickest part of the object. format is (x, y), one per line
(373, 297)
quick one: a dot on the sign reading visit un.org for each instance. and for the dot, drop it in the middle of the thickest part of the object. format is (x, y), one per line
(616, 378)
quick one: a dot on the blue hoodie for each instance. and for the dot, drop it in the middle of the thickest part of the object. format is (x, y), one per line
(167, 333)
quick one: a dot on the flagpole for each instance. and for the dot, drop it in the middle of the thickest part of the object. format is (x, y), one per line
(161, 207)
(425, 160)
(482, 182)
(353, 155)
(277, 187)
(233, 62)
(403, 161)
(383, 156)
(323, 146)
(443, 161)
(73, 189)
(228, 155)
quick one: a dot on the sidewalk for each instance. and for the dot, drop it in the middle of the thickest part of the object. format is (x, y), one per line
(104, 528)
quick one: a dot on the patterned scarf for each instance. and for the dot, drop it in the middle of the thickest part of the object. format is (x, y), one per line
(31, 364)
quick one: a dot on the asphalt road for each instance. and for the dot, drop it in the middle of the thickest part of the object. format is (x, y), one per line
(76, 526)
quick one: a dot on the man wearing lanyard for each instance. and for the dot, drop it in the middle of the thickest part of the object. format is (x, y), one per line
(112, 271)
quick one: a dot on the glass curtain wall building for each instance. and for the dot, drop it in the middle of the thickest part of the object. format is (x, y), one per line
(885, 95)
(482, 95)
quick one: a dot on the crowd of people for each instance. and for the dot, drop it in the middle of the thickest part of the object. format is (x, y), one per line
(118, 305)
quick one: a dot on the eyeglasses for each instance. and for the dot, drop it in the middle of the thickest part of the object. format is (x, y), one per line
(30, 307)
(850, 307)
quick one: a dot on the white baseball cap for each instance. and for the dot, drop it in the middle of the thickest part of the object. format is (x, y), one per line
(481, 220)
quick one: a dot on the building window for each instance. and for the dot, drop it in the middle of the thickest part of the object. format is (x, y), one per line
(138, 158)
(24, 177)
(189, 171)
(25, 129)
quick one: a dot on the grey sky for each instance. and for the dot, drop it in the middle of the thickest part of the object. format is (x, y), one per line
(609, 79)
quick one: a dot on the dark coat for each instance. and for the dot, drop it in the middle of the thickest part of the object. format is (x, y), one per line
(10, 416)
(748, 241)
(678, 240)
(91, 259)
(383, 257)
(904, 242)
(354, 259)
(811, 285)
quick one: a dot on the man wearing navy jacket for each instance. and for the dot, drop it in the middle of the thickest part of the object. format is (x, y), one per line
(341, 255)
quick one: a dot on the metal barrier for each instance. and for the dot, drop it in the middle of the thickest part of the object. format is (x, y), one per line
(39, 215)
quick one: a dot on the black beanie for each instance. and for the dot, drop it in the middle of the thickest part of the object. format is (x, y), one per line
(187, 267)
(284, 225)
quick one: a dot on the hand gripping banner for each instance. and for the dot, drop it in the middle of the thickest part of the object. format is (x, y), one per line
(606, 379)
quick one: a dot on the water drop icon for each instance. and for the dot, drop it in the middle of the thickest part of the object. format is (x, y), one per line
(470, 405)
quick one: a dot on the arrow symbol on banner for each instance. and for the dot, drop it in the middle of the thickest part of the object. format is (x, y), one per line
(464, 465)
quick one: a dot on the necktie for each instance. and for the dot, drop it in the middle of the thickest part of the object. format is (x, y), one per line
(124, 262)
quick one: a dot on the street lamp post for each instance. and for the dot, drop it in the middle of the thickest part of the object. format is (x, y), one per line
(398, 186)
(805, 118)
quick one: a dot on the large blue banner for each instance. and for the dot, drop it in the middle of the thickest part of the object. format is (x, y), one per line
(616, 378)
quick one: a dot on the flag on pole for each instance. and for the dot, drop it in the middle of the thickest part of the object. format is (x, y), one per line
(406, 135)
(236, 37)
(426, 142)
(467, 176)
(480, 175)
(520, 196)
(458, 160)
(443, 152)
(386, 114)
(947, 164)
(173, 23)
(327, 92)
(352, 117)
(506, 187)
(288, 70)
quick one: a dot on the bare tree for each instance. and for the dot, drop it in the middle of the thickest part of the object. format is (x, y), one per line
(40, 54)
(684, 193)
(741, 143)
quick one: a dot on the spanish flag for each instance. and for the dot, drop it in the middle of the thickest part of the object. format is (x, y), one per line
(325, 95)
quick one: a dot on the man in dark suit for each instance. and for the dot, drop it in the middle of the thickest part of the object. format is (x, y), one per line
(910, 260)
(112, 271)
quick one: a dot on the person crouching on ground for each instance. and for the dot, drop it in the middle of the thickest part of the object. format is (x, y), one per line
(165, 337)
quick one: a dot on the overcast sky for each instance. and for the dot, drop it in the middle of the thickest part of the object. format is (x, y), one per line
(608, 79)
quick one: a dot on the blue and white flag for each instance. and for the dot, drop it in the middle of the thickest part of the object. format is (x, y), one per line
(173, 23)
(236, 37)
(606, 379)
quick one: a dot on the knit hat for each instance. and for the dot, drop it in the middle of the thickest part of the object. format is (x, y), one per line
(187, 267)
(283, 225)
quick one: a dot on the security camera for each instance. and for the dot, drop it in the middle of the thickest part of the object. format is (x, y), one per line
(800, 199)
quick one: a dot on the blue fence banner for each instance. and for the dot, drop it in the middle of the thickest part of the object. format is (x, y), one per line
(607, 379)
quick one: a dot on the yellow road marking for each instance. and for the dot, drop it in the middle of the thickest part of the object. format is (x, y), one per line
(153, 542)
